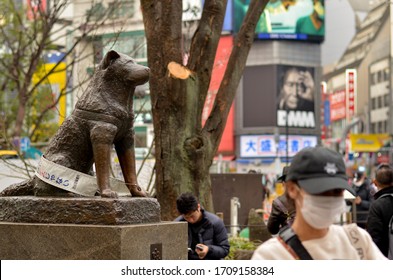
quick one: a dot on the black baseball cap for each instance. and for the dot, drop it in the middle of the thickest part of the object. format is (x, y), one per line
(319, 169)
(284, 174)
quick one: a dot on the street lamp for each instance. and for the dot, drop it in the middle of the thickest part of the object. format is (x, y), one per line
(287, 135)
(277, 142)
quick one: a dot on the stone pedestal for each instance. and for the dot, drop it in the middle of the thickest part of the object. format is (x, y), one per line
(86, 210)
(88, 229)
(165, 240)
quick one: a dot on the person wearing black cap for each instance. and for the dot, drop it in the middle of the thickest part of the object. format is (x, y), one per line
(316, 180)
(283, 208)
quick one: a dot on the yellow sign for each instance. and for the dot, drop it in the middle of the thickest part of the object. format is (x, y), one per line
(57, 80)
(367, 142)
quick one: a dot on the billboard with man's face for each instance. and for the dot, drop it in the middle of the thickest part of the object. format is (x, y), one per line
(286, 19)
(296, 91)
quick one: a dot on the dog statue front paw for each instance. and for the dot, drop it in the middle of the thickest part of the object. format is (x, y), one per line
(137, 191)
(109, 193)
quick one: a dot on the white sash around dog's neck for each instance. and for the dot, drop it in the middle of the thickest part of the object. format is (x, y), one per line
(74, 181)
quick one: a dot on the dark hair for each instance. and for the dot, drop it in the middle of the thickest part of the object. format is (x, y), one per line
(358, 175)
(384, 174)
(186, 203)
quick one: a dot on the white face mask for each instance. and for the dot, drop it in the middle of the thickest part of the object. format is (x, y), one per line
(322, 211)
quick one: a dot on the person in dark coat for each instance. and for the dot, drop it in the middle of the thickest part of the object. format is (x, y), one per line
(283, 208)
(381, 209)
(207, 235)
(362, 188)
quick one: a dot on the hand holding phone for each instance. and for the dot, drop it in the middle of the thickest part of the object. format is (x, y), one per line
(199, 247)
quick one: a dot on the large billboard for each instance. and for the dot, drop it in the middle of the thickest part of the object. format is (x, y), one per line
(286, 19)
(296, 95)
(259, 96)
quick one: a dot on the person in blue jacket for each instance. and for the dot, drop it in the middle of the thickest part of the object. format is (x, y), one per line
(207, 235)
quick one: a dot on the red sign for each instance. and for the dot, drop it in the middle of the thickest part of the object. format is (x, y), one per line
(350, 77)
(224, 50)
(337, 105)
(322, 122)
(34, 8)
(383, 159)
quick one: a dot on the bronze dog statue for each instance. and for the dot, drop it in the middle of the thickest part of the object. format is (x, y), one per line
(103, 117)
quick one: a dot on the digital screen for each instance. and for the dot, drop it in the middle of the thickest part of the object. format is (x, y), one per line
(296, 96)
(228, 18)
(285, 19)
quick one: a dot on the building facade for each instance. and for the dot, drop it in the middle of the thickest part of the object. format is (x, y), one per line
(358, 91)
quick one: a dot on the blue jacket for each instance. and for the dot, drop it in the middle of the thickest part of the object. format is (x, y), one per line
(211, 233)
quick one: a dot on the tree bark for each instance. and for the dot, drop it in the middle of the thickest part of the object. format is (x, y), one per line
(184, 149)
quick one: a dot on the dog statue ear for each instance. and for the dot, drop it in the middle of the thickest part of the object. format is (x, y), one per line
(109, 58)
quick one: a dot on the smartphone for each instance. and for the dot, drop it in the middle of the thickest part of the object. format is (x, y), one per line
(199, 247)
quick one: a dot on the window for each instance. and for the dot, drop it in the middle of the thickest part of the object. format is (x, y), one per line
(380, 127)
(140, 137)
(130, 43)
(373, 127)
(96, 12)
(374, 79)
(97, 49)
(121, 9)
(386, 100)
(380, 102)
(386, 74)
(379, 79)
(373, 103)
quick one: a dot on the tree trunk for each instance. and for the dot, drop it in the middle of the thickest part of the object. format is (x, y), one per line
(184, 149)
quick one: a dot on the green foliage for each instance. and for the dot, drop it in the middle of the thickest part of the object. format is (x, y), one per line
(239, 243)
(42, 99)
(20, 54)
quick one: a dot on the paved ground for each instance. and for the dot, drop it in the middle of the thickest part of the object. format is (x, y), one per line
(14, 171)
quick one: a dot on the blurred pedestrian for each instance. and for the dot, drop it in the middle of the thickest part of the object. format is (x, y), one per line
(362, 187)
(207, 235)
(381, 209)
(283, 208)
(316, 180)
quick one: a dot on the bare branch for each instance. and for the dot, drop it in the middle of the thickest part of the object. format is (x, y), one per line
(215, 124)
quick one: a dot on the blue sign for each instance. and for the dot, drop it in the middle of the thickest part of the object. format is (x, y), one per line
(326, 112)
(24, 144)
(258, 146)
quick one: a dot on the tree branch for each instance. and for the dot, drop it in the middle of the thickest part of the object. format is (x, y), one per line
(204, 45)
(215, 124)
